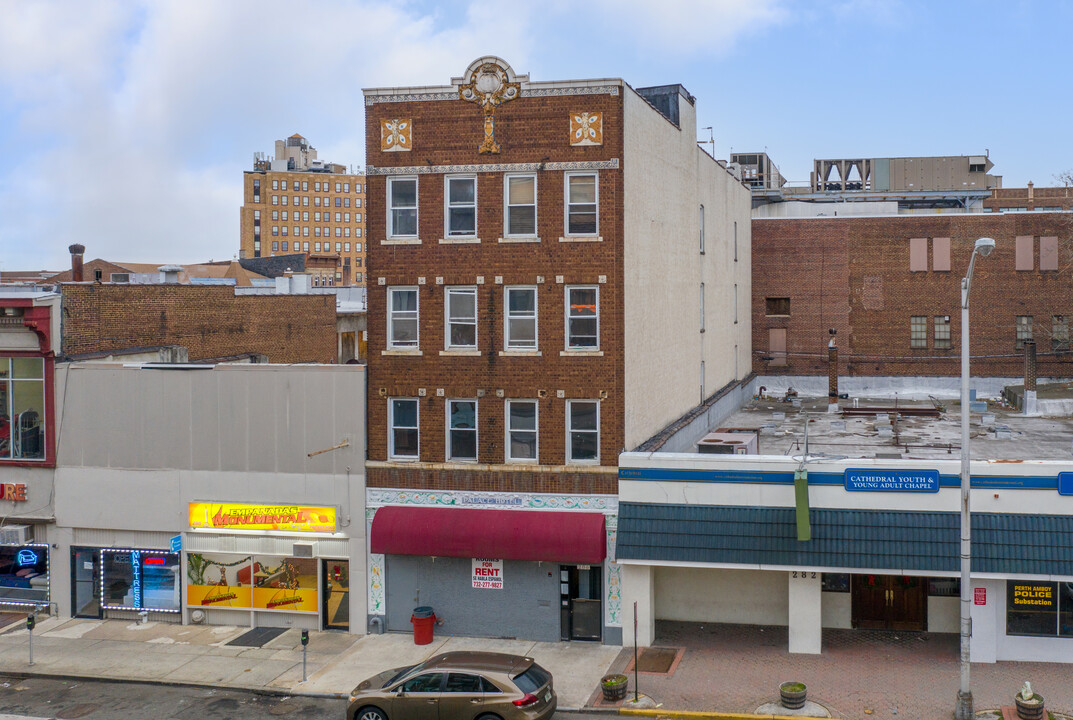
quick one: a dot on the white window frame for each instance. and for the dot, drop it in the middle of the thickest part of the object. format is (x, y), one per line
(569, 430)
(508, 430)
(568, 316)
(475, 430)
(507, 340)
(416, 207)
(566, 202)
(391, 428)
(447, 233)
(391, 318)
(507, 205)
(447, 323)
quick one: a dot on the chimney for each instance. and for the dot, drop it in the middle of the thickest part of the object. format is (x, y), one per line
(1031, 192)
(76, 261)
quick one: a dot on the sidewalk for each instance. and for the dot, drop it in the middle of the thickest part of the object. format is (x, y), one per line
(200, 655)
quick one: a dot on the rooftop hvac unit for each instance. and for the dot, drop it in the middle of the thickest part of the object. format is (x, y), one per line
(304, 549)
(16, 535)
(729, 443)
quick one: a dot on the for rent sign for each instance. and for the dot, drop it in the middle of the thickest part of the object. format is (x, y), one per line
(487, 574)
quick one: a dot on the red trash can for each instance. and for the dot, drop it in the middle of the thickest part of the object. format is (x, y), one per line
(423, 620)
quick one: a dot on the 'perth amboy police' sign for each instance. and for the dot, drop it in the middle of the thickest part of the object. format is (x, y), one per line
(892, 480)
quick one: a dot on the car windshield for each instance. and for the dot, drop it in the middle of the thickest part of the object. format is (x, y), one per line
(532, 679)
(404, 672)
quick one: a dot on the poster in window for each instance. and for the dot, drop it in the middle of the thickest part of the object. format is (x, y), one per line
(1031, 607)
(285, 584)
(218, 580)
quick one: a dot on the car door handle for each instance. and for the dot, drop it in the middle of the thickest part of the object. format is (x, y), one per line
(475, 701)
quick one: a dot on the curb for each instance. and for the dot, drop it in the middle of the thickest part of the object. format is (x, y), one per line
(696, 715)
(256, 690)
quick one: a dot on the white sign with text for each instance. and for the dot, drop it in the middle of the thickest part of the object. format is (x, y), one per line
(487, 574)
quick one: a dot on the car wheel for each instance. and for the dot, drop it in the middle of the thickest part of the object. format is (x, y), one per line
(370, 713)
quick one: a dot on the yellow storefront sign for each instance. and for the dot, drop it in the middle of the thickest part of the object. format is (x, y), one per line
(285, 518)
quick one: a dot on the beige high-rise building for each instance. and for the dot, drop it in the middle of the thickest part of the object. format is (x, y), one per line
(297, 204)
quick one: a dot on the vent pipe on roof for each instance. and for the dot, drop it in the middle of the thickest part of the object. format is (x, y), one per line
(76, 261)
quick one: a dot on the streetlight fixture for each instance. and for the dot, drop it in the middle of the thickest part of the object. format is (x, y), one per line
(983, 248)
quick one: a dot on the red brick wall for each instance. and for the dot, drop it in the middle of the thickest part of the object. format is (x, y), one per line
(210, 321)
(1040, 197)
(852, 274)
(529, 130)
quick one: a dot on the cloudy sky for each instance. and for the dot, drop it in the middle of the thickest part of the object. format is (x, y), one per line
(126, 125)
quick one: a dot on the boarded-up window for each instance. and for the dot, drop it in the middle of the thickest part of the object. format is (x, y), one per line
(940, 254)
(918, 254)
(1025, 249)
(777, 305)
(777, 345)
(1048, 253)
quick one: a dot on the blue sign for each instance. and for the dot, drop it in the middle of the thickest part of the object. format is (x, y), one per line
(26, 557)
(882, 480)
(177, 544)
(136, 577)
(1065, 483)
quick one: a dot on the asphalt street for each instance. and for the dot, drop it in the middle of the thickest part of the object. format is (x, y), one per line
(97, 700)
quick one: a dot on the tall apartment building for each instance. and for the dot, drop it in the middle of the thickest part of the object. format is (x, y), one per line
(297, 203)
(559, 273)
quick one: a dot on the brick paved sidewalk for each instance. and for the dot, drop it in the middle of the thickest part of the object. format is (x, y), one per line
(860, 675)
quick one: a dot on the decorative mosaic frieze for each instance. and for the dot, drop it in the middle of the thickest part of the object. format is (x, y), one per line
(376, 585)
(613, 586)
(612, 90)
(612, 164)
(396, 135)
(586, 128)
(375, 498)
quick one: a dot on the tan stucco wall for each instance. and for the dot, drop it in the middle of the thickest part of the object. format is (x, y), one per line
(750, 597)
(666, 178)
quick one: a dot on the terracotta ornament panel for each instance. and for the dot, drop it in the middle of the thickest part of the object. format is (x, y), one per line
(587, 128)
(396, 135)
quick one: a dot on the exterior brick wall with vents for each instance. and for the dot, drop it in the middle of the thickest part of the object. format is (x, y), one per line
(853, 274)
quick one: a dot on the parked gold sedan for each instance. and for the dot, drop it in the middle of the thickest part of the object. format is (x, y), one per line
(457, 686)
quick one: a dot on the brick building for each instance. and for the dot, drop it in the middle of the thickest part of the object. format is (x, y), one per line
(890, 286)
(296, 203)
(1029, 199)
(558, 272)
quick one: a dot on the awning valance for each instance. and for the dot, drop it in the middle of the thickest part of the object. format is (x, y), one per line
(566, 537)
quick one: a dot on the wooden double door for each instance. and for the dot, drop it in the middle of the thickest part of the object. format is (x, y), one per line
(889, 602)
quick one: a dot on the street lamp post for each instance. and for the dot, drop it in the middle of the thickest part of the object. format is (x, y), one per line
(983, 248)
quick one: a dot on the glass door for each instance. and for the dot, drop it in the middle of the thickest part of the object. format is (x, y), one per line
(581, 589)
(336, 594)
(85, 582)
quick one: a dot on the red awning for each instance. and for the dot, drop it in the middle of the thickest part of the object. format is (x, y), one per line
(566, 537)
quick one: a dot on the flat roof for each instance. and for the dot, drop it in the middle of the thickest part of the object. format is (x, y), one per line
(911, 436)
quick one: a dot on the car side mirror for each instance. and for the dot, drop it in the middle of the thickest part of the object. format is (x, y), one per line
(399, 692)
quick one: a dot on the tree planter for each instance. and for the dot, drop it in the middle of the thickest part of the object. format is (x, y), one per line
(1031, 709)
(792, 695)
(614, 687)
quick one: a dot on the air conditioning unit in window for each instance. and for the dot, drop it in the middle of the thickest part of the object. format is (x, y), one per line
(16, 534)
(304, 549)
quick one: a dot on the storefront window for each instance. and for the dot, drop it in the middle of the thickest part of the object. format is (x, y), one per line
(218, 580)
(258, 582)
(139, 580)
(285, 584)
(944, 587)
(1032, 608)
(835, 582)
(24, 574)
(22, 408)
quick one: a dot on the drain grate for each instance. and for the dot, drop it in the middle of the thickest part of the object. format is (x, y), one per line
(257, 637)
(656, 660)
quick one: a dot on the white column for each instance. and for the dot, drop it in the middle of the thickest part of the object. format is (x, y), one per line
(805, 621)
(638, 586)
(988, 612)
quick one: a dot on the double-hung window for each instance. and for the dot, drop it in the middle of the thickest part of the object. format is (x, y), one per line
(402, 421)
(402, 207)
(583, 431)
(582, 318)
(461, 206)
(22, 408)
(461, 318)
(462, 430)
(521, 318)
(521, 431)
(402, 318)
(581, 200)
(520, 194)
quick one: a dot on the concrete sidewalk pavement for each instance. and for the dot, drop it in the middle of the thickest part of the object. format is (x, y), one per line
(200, 655)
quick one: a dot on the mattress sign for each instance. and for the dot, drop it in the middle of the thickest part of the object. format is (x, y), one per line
(883, 480)
(487, 574)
